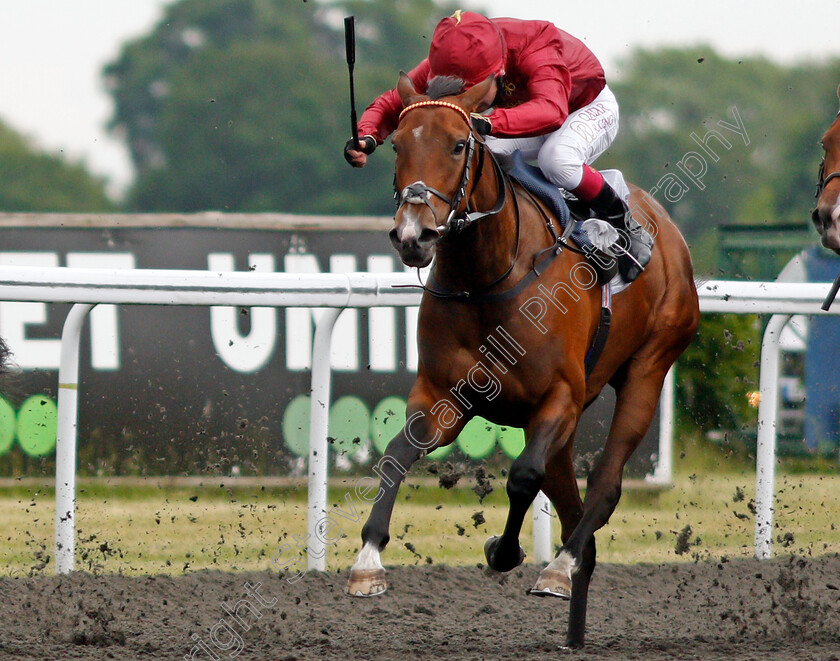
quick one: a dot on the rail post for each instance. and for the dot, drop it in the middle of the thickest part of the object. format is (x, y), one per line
(663, 473)
(541, 509)
(765, 452)
(66, 441)
(319, 417)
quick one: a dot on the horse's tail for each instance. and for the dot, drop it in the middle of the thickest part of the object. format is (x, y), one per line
(5, 356)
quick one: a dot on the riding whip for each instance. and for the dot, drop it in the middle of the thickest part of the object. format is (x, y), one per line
(832, 293)
(350, 45)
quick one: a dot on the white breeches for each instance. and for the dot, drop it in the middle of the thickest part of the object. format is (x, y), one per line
(584, 136)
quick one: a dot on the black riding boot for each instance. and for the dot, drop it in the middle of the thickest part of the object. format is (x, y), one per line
(607, 205)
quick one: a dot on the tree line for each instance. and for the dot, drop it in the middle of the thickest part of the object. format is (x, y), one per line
(241, 105)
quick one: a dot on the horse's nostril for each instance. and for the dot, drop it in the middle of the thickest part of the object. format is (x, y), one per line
(395, 239)
(428, 236)
(822, 218)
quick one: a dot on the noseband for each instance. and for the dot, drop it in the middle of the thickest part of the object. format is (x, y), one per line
(822, 180)
(419, 192)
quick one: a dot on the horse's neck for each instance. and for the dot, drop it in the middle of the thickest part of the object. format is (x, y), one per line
(476, 257)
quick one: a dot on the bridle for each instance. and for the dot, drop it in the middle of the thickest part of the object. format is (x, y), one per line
(419, 192)
(822, 180)
(456, 221)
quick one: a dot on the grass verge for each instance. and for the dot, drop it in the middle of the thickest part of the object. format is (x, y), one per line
(164, 529)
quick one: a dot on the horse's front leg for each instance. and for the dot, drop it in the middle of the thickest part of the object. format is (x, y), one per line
(552, 428)
(423, 432)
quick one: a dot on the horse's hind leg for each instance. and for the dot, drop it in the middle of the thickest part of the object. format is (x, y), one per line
(636, 400)
(561, 488)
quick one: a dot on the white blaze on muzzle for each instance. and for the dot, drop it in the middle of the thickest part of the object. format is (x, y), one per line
(418, 193)
(410, 227)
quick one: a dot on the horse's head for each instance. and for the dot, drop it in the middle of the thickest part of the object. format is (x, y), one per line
(826, 215)
(434, 146)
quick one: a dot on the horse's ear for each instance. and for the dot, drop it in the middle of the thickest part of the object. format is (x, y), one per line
(838, 91)
(473, 96)
(406, 90)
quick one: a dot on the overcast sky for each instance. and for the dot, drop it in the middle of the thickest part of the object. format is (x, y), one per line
(53, 52)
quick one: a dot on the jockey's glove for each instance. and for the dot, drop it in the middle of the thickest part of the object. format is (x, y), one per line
(367, 144)
(481, 124)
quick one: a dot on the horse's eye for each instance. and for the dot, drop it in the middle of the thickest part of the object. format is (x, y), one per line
(459, 147)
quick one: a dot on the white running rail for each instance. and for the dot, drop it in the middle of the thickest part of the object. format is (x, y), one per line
(88, 287)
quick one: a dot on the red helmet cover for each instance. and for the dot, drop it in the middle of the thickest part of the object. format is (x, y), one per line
(467, 45)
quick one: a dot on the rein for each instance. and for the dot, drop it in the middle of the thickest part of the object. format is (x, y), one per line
(539, 262)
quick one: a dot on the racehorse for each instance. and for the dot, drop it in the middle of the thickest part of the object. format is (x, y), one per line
(826, 215)
(508, 314)
(5, 354)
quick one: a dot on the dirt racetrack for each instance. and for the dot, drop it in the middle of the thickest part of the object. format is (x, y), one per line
(786, 608)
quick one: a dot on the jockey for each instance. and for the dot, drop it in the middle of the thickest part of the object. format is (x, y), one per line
(549, 100)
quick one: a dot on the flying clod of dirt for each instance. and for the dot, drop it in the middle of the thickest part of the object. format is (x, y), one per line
(482, 486)
(448, 474)
(683, 545)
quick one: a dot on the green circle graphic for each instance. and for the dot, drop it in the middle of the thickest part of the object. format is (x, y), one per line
(7, 426)
(478, 438)
(37, 423)
(512, 441)
(386, 421)
(296, 426)
(349, 424)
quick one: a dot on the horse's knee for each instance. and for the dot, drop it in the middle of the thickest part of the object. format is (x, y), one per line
(524, 480)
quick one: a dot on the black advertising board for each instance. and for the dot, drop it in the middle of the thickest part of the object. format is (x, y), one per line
(197, 390)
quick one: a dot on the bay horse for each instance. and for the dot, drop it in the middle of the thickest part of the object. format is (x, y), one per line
(5, 354)
(506, 320)
(826, 214)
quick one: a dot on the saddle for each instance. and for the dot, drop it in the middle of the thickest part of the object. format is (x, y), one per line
(571, 214)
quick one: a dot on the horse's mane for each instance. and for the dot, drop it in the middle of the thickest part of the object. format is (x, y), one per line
(441, 86)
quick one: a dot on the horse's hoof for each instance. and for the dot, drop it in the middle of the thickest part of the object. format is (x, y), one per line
(366, 583)
(555, 580)
(553, 583)
(501, 564)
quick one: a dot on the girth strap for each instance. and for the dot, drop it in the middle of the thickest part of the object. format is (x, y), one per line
(599, 341)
